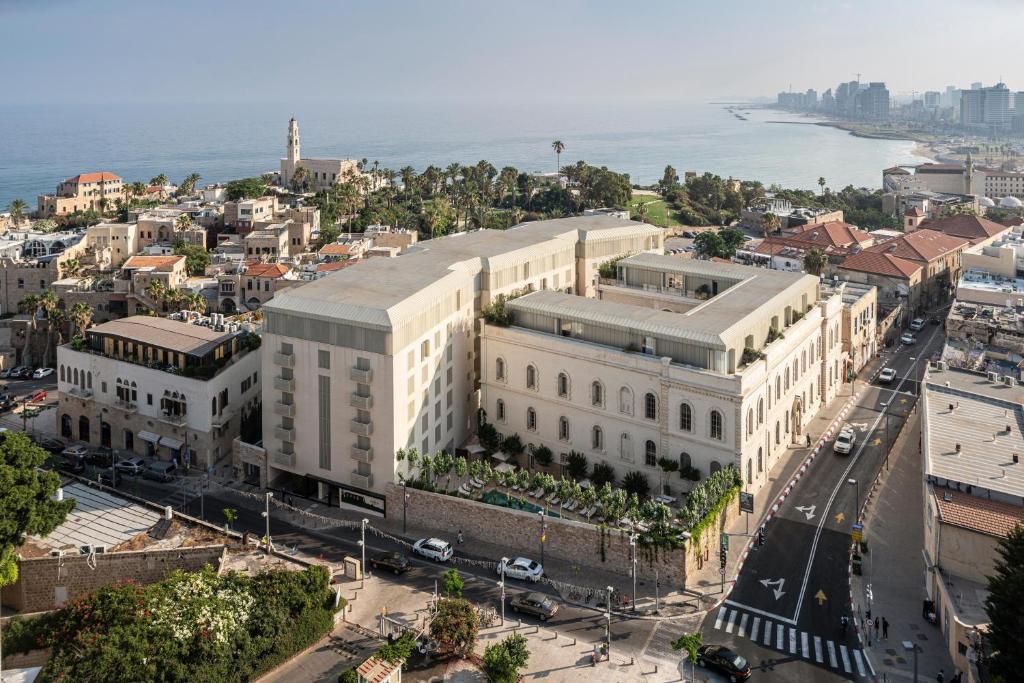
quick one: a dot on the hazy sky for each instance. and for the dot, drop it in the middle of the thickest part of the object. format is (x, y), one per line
(301, 50)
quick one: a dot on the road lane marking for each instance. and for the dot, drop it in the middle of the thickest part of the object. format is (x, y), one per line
(817, 649)
(718, 621)
(732, 621)
(856, 659)
(803, 645)
(832, 654)
(792, 640)
(763, 613)
(779, 635)
(767, 633)
(846, 658)
(753, 629)
(742, 630)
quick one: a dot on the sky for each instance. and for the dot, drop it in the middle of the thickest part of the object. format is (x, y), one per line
(68, 51)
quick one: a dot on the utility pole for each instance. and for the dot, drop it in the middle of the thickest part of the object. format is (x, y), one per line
(608, 626)
(657, 592)
(632, 554)
(266, 514)
(501, 584)
(543, 530)
(362, 546)
(405, 505)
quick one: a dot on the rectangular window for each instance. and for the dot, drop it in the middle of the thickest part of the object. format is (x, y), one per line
(149, 399)
(425, 423)
(411, 384)
(448, 401)
(437, 434)
(424, 349)
(448, 352)
(449, 376)
(412, 358)
(323, 359)
(437, 386)
(450, 420)
(412, 410)
(437, 410)
(426, 445)
(324, 401)
(103, 387)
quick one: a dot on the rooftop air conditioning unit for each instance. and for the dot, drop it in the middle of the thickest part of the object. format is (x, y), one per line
(56, 553)
(992, 376)
(1009, 381)
(941, 365)
(99, 549)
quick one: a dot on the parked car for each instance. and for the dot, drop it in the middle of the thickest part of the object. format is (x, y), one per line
(42, 372)
(7, 402)
(908, 339)
(108, 479)
(393, 562)
(886, 376)
(935, 320)
(20, 372)
(36, 396)
(433, 549)
(75, 452)
(102, 456)
(917, 324)
(130, 465)
(49, 443)
(72, 465)
(845, 441)
(724, 660)
(522, 568)
(537, 604)
(162, 470)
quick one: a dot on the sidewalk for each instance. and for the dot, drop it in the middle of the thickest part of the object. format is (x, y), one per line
(894, 529)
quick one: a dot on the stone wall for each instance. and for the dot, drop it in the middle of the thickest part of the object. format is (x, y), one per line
(42, 581)
(566, 540)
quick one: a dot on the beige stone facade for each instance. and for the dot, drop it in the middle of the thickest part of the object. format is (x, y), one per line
(84, 192)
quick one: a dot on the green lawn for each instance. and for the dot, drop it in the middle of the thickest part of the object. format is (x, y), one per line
(658, 211)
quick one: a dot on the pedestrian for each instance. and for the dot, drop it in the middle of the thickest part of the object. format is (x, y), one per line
(808, 440)
(867, 613)
(876, 625)
(940, 677)
(885, 629)
(460, 536)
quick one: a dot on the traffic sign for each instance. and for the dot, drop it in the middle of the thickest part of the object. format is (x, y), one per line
(858, 533)
(721, 572)
(746, 502)
(724, 541)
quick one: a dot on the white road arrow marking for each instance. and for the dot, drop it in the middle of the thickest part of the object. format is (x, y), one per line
(779, 585)
(862, 426)
(808, 510)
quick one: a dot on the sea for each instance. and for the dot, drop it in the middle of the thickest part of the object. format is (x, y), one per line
(42, 145)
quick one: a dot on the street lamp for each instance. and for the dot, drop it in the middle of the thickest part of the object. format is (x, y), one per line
(501, 584)
(543, 531)
(266, 515)
(632, 554)
(405, 505)
(608, 624)
(910, 646)
(362, 546)
(856, 509)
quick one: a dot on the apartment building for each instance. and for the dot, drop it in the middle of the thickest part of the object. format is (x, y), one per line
(83, 192)
(386, 355)
(241, 214)
(860, 323)
(159, 388)
(113, 243)
(707, 364)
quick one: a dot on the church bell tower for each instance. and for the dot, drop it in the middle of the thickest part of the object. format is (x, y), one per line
(294, 154)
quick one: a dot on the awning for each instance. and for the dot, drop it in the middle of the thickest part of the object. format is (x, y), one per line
(504, 467)
(500, 456)
(150, 437)
(173, 444)
(585, 484)
(474, 449)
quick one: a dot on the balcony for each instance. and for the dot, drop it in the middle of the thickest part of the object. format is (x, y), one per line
(282, 458)
(282, 384)
(171, 418)
(285, 360)
(363, 481)
(79, 392)
(361, 402)
(284, 409)
(362, 428)
(126, 406)
(362, 454)
(362, 376)
(284, 434)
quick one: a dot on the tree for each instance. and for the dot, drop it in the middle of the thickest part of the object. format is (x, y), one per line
(576, 465)
(230, 515)
(667, 465)
(183, 222)
(48, 302)
(559, 148)
(301, 179)
(71, 268)
(438, 217)
(1003, 606)
(246, 188)
(503, 660)
(399, 650)
(814, 261)
(453, 584)
(635, 482)
(17, 208)
(188, 184)
(732, 239)
(669, 181)
(158, 180)
(770, 222)
(821, 184)
(194, 301)
(196, 257)
(690, 644)
(602, 473)
(27, 504)
(156, 290)
(709, 244)
(455, 626)
(80, 316)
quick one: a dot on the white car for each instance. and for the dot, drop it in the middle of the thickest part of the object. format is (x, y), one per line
(130, 465)
(844, 442)
(75, 452)
(917, 324)
(433, 549)
(522, 568)
(908, 339)
(886, 376)
(42, 372)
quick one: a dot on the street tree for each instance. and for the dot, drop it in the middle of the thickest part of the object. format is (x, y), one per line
(1003, 606)
(709, 244)
(455, 626)
(503, 660)
(690, 643)
(453, 584)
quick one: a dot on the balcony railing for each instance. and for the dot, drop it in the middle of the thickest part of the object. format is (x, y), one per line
(362, 428)
(363, 481)
(284, 409)
(284, 434)
(171, 418)
(282, 384)
(363, 376)
(362, 454)
(361, 402)
(282, 458)
(80, 392)
(127, 406)
(285, 360)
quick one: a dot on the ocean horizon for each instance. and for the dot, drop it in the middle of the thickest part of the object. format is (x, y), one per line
(223, 141)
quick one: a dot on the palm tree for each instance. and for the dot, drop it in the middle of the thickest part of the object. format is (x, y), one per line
(770, 223)
(30, 306)
(138, 188)
(48, 302)
(71, 268)
(559, 148)
(17, 208)
(189, 183)
(156, 290)
(821, 184)
(194, 301)
(80, 316)
(814, 261)
(183, 222)
(158, 180)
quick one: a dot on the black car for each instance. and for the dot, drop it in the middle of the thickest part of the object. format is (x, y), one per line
(101, 457)
(726, 661)
(51, 444)
(108, 479)
(6, 401)
(21, 373)
(393, 562)
(71, 465)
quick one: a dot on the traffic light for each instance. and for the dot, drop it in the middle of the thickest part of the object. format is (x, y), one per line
(760, 537)
(723, 556)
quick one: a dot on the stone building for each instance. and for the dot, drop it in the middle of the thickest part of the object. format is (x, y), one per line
(323, 173)
(83, 192)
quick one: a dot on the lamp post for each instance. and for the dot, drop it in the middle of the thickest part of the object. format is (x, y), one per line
(405, 505)
(856, 509)
(362, 547)
(608, 625)
(632, 555)
(501, 584)
(911, 646)
(543, 531)
(266, 515)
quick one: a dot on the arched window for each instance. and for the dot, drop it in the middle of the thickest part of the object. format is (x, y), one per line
(76, 376)
(786, 383)
(650, 406)
(650, 454)
(715, 467)
(626, 401)
(88, 380)
(62, 373)
(500, 410)
(760, 460)
(499, 369)
(563, 428)
(750, 421)
(786, 417)
(685, 417)
(83, 428)
(750, 472)
(796, 370)
(760, 411)
(803, 361)
(684, 462)
(135, 393)
(65, 426)
(597, 394)
(778, 435)
(531, 377)
(597, 438)
(716, 425)
(563, 385)
(531, 419)
(778, 388)
(626, 447)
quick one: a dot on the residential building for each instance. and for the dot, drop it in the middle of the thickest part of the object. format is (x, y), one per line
(253, 285)
(707, 364)
(39, 262)
(271, 243)
(140, 270)
(971, 441)
(242, 214)
(985, 325)
(976, 230)
(385, 355)
(938, 254)
(157, 226)
(323, 173)
(113, 243)
(860, 323)
(775, 254)
(898, 280)
(1003, 257)
(873, 102)
(83, 192)
(835, 239)
(789, 217)
(160, 388)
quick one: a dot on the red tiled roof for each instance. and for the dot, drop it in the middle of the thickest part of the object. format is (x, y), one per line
(272, 270)
(774, 246)
(920, 245)
(914, 212)
(376, 670)
(990, 517)
(336, 250)
(335, 265)
(973, 228)
(153, 261)
(880, 264)
(104, 176)
(832, 233)
(895, 170)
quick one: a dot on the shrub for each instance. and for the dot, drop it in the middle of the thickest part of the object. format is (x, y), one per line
(636, 483)
(577, 465)
(543, 455)
(455, 626)
(750, 355)
(400, 650)
(502, 661)
(512, 444)
(602, 473)
(490, 439)
(348, 676)
(453, 583)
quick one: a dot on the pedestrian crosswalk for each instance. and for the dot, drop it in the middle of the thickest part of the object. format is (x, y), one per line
(788, 639)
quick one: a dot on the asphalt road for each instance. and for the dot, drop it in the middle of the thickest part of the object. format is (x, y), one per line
(784, 613)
